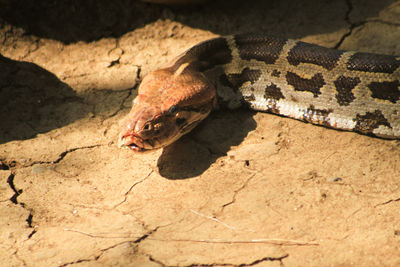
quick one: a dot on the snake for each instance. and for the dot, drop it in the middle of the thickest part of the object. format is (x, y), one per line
(344, 90)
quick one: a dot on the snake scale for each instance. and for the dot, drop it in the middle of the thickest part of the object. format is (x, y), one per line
(344, 90)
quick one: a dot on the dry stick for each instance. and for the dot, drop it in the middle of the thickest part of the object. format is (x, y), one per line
(213, 219)
(273, 241)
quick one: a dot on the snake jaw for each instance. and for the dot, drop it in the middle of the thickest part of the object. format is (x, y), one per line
(132, 142)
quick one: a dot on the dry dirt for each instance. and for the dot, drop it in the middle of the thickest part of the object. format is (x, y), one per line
(243, 189)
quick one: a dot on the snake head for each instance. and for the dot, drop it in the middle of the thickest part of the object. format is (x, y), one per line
(147, 127)
(166, 108)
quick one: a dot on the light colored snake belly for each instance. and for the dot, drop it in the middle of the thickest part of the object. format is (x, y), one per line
(339, 89)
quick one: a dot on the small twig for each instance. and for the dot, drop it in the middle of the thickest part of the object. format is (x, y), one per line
(273, 241)
(214, 219)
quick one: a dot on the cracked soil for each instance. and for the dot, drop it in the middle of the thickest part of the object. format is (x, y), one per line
(243, 189)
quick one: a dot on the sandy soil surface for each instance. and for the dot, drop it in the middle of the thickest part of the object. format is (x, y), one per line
(243, 189)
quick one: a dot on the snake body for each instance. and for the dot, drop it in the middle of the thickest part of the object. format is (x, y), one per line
(345, 90)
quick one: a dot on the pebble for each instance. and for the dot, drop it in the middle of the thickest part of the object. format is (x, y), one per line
(38, 169)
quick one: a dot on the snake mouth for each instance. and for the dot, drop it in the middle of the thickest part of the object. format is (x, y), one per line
(135, 143)
(135, 148)
(132, 142)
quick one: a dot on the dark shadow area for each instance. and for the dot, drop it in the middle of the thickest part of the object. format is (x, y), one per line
(282, 18)
(73, 21)
(33, 100)
(193, 154)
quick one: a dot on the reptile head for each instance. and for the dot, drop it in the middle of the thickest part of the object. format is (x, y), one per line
(167, 106)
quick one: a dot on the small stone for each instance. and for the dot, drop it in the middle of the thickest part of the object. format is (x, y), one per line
(38, 169)
(335, 179)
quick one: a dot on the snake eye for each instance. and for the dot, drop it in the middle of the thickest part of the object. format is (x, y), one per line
(147, 126)
(173, 109)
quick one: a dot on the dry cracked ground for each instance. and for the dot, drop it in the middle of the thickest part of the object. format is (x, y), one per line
(243, 189)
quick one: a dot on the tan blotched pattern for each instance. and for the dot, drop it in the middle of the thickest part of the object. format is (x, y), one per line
(340, 89)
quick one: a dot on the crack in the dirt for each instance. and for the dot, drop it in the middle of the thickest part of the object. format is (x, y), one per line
(77, 261)
(95, 258)
(236, 192)
(155, 261)
(146, 235)
(352, 25)
(131, 188)
(113, 63)
(136, 241)
(63, 155)
(32, 233)
(10, 181)
(4, 166)
(151, 258)
(121, 105)
(266, 259)
(29, 221)
(14, 198)
(387, 202)
(18, 192)
(130, 91)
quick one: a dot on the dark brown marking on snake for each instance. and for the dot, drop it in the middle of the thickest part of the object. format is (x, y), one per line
(373, 63)
(385, 90)
(344, 86)
(312, 85)
(276, 73)
(206, 55)
(237, 80)
(318, 55)
(202, 109)
(249, 98)
(273, 92)
(319, 116)
(273, 106)
(259, 47)
(370, 121)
